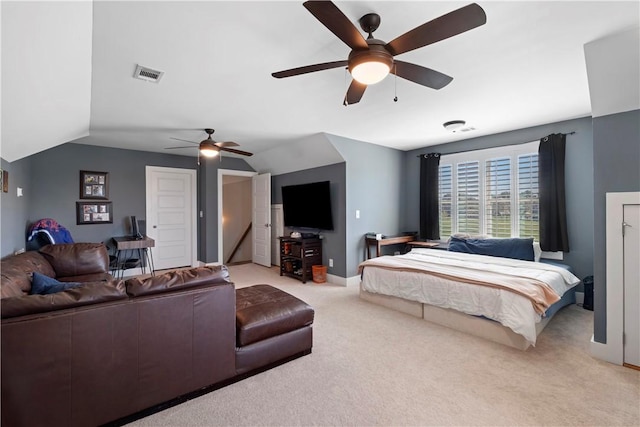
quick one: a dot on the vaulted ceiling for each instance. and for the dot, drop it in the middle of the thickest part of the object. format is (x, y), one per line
(67, 73)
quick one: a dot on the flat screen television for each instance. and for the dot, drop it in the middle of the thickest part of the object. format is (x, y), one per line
(307, 206)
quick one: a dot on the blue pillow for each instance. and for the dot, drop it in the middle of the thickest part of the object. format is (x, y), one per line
(515, 248)
(44, 285)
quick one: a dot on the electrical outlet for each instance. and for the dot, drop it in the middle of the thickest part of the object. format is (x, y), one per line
(330, 262)
(357, 213)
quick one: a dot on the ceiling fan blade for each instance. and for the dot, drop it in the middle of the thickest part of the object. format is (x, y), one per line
(331, 17)
(185, 146)
(232, 150)
(421, 75)
(226, 144)
(309, 69)
(451, 24)
(183, 140)
(354, 93)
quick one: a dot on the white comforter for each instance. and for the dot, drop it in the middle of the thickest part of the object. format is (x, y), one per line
(511, 310)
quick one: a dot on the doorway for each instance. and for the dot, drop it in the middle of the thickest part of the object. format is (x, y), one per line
(233, 208)
(631, 280)
(613, 350)
(236, 219)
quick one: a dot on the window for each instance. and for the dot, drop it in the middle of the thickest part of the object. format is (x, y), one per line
(490, 192)
(497, 201)
(444, 196)
(528, 196)
(468, 206)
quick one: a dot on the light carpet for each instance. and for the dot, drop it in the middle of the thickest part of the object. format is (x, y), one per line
(373, 366)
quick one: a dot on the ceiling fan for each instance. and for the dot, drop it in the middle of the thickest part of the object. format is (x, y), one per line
(211, 148)
(371, 60)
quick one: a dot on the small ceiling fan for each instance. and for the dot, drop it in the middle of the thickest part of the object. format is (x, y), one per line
(371, 60)
(211, 148)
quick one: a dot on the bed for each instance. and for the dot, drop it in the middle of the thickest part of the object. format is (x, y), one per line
(501, 298)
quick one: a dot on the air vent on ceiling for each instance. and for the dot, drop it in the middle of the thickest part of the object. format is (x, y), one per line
(467, 129)
(144, 73)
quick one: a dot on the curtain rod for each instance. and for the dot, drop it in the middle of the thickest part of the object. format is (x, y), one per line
(465, 151)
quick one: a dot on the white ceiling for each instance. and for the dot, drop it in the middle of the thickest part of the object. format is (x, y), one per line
(524, 67)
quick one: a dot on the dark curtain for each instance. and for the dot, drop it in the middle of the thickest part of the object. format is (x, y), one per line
(553, 212)
(429, 214)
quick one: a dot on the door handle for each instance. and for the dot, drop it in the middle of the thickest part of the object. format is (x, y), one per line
(625, 224)
(267, 225)
(155, 226)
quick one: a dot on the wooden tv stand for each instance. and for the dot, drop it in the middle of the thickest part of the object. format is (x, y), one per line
(297, 256)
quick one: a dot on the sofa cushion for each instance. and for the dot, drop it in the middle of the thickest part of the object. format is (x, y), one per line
(16, 272)
(87, 294)
(45, 285)
(515, 248)
(179, 279)
(263, 311)
(77, 259)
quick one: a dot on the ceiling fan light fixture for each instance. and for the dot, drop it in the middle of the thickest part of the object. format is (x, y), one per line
(370, 67)
(369, 73)
(208, 150)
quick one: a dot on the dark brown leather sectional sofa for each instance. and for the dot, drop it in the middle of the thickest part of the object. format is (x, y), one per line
(108, 349)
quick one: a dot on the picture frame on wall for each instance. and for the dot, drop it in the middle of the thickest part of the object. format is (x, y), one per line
(94, 185)
(94, 213)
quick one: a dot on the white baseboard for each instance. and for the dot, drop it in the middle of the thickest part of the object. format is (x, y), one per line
(339, 280)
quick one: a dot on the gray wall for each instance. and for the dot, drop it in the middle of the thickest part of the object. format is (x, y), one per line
(578, 178)
(14, 209)
(52, 189)
(374, 187)
(333, 240)
(616, 164)
(55, 185)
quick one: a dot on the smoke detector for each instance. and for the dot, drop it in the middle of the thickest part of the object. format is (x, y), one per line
(147, 74)
(454, 125)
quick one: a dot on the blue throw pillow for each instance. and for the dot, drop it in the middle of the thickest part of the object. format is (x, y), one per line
(44, 285)
(515, 248)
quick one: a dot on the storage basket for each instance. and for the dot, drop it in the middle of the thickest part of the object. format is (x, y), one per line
(319, 273)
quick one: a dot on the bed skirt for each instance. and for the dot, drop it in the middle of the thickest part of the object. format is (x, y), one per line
(473, 325)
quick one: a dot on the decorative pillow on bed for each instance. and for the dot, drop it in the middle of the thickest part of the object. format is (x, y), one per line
(45, 285)
(515, 248)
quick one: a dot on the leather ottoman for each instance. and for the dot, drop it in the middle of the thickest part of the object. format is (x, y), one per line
(271, 326)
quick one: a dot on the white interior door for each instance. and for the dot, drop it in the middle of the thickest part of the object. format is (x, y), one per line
(171, 216)
(631, 251)
(261, 198)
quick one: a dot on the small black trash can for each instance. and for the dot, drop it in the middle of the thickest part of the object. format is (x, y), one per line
(588, 293)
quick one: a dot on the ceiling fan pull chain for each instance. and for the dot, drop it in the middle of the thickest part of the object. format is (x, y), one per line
(346, 88)
(395, 82)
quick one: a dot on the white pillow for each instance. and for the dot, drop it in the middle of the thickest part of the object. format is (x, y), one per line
(536, 251)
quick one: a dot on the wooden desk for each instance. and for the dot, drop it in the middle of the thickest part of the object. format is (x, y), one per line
(128, 243)
(391, 240)
(429, 245)
(418, 244)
